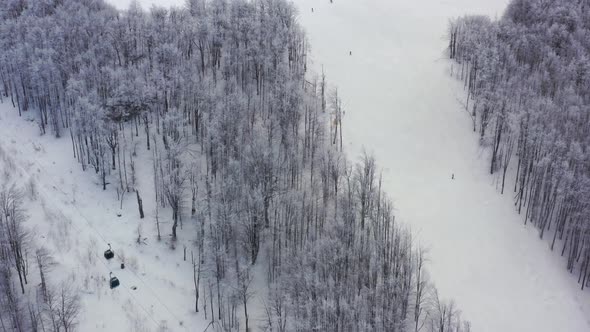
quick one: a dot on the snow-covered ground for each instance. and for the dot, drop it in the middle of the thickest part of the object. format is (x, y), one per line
(401, 105)
(73, 218)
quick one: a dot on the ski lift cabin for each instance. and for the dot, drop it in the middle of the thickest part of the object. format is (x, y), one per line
(108, 254)
(113, 282)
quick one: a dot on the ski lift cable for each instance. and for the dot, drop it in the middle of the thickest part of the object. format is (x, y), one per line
(122, 284)
(157, 297)
(147, 313)
(107, 267)
(100, 258)
(131, 271)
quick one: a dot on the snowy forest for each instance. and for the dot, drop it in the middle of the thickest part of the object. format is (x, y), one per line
(527, 77)
(245, 155)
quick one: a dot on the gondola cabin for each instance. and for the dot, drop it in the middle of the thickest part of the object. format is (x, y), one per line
(108, 254)
(113, 282)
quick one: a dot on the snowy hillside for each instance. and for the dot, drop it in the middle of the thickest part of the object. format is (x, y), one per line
(75, 220)
(197, 134)
(401, 103)
(229, 141)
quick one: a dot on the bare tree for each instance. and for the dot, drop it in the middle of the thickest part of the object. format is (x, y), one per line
(244, 292)
(174, 192)
(68, 306)
(12, 215)
(421, 285)
(45, 263)
(196, 276)
(139, 204)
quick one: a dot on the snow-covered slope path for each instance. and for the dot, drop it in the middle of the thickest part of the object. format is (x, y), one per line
(402, 105)
(73, 218)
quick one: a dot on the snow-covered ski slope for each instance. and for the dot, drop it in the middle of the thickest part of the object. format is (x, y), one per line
(402, 105)
(74, 219)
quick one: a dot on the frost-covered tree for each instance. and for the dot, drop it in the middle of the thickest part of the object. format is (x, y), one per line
(527, 78)
(219, 86)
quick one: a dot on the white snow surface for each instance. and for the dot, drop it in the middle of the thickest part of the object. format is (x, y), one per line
(402, 105)
(75, 219)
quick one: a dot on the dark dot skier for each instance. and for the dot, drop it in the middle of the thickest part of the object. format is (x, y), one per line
(453, 176)
(350, 53)
(312, 9)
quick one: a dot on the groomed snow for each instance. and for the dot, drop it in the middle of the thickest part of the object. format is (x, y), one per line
(402, 105)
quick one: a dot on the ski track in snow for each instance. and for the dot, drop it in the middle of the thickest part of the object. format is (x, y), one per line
(402, 105)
